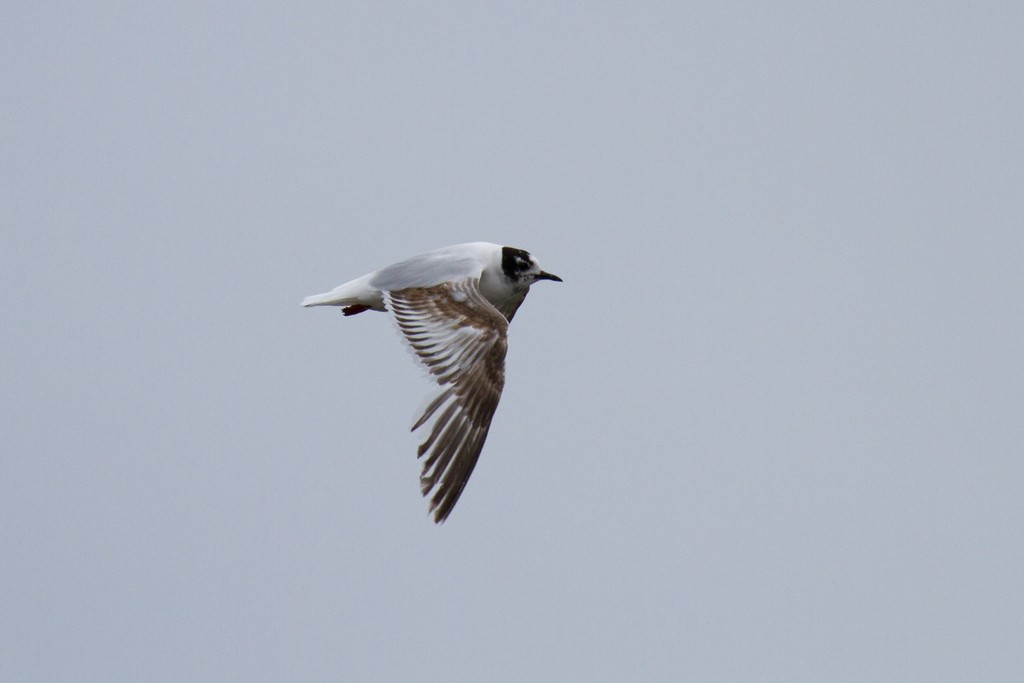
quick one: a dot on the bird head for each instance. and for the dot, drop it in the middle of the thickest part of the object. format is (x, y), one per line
(522, 269)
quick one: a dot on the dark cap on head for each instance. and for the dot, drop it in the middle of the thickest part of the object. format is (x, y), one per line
(516, 262)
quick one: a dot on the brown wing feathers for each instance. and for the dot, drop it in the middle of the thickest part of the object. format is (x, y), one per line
(461, 339)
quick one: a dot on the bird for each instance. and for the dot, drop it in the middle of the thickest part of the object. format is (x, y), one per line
(452, 306)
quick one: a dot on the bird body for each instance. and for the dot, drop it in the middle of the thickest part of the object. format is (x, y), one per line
(452, 306)
(475, 260)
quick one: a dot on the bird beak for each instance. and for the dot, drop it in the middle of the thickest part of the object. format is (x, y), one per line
(548, 276)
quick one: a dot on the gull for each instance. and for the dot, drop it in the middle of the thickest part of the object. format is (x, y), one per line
(452, 306)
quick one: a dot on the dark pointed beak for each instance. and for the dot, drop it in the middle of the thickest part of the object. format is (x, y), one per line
(548, 276)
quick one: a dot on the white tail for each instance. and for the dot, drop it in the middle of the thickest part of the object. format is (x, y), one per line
(325, 299)
(354, 293)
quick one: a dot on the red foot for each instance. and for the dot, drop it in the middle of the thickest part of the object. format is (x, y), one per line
(354, 308)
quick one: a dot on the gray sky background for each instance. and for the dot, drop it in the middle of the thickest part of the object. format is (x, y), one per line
(770, 428)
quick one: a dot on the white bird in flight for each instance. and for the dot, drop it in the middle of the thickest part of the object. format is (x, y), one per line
(452, 306)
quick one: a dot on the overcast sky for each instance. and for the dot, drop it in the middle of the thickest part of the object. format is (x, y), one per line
(770, 428)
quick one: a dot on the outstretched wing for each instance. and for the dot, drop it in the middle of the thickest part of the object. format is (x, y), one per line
(448, 264)
(461, 339)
